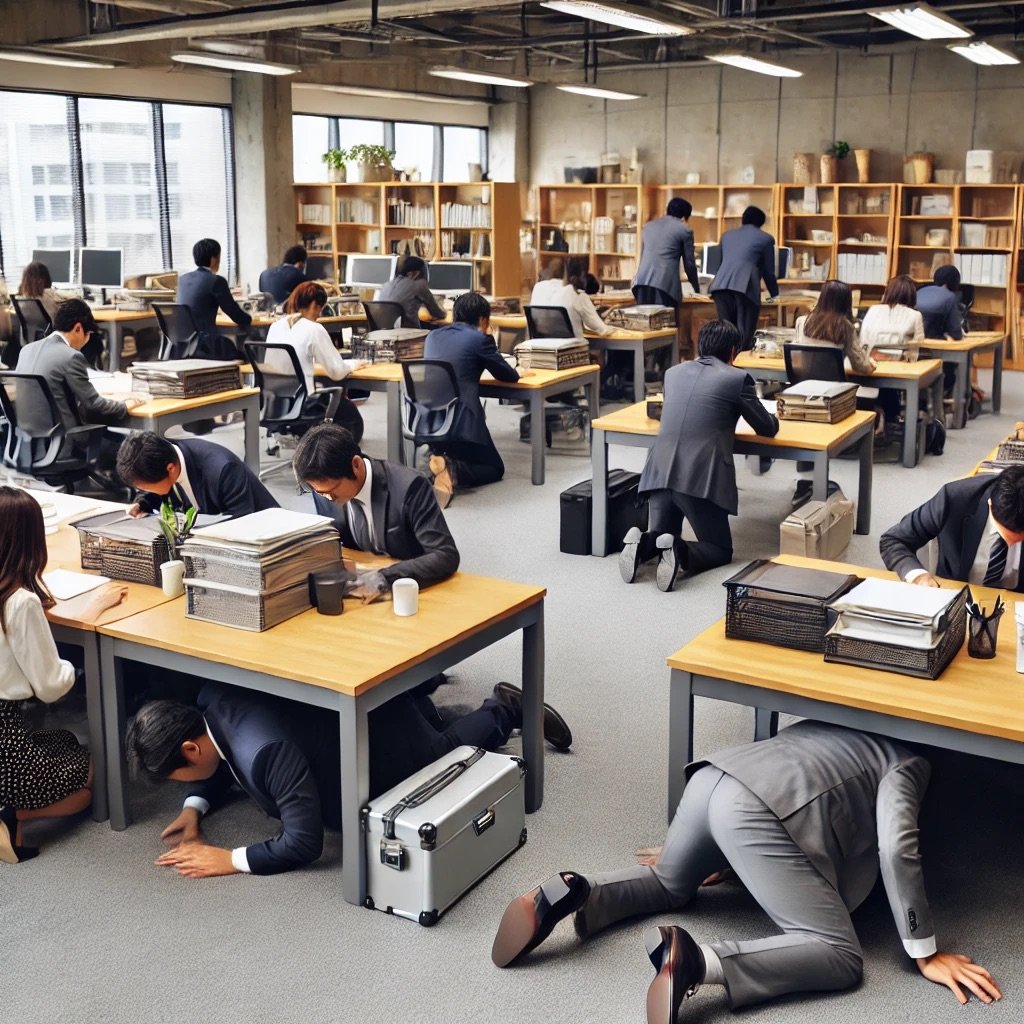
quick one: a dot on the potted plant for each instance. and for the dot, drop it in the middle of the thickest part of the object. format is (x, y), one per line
(335, 160)
(830, 161)
(176, 527)
(370, 163)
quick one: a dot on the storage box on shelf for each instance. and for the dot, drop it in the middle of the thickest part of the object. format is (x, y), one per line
(807, 224)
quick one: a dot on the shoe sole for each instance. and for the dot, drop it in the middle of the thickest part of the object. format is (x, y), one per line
(521, 928)
(668, 573)
(659, 995)
(629, 562)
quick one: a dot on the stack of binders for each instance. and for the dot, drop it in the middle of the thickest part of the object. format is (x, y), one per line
(253, 572)
(185, 378)
(552, 353)
(818, 401)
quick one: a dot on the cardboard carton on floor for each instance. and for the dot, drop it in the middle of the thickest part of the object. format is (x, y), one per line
(818, 529)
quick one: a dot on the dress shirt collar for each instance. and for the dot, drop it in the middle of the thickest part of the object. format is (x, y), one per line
(365, 496)
(216, 745)
(183, 480)
(63, 337)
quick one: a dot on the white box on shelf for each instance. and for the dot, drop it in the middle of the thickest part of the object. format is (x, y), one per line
(978, 170)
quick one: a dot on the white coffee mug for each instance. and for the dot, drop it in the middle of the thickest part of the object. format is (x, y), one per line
(172, 575)
(405, 594)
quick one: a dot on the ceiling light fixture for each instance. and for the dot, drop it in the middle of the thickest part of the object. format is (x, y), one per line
(599, 93)
(619, 15)
(481, 77)
(984, 53)
(762, 67)
(923, 21)
(61, 60)
(231, 62)
(393, 94)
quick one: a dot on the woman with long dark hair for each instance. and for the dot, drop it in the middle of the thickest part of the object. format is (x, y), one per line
(831, 323)
(45, 774)
(36, 283)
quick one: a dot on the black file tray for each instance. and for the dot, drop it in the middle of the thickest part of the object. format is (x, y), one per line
(784, 605)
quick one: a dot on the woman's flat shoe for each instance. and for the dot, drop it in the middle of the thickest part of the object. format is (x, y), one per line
(9, 852)
(529, 919)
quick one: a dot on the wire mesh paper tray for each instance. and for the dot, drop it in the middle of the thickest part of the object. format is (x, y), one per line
(216, 564)
(253, 610)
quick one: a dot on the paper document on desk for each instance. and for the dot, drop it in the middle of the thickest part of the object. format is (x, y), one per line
(65, 584)
(743, 427)
(59, 508)
(264, 528)
(897, 602)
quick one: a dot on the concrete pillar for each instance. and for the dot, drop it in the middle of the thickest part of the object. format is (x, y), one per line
(262, 114)
(509, 141)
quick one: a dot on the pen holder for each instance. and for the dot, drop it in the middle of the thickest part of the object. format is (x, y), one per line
(982, 633)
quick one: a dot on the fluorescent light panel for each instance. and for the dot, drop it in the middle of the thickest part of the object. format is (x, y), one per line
(619, 15)
(481, 77)
(393, 94)
(762, 67)
(984, 53)
(230, 62)
(61, 60)
(599, 93)
(923, 21)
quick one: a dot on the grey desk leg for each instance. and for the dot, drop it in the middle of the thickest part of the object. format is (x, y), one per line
(638, 373)
(533, 711)
(251, 432)
(866, 460)
(396, 450)
(997, 377)
(680, 734)
(113, 730)
(962, 388)
(593, 390)
(910, 425)
(820, 488)
(114, 339)
(766, 723)
(97, 747)
(599, 493)
(538, 430)
(355, 792)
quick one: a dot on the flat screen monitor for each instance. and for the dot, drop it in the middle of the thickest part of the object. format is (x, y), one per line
(101, 268)
(58, 262)
(711, 260)
(450, 277)
(370, 270)
(319, 268)
(783, 261)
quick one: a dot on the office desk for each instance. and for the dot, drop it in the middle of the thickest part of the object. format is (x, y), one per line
(301, 659)
(262, 322)
(113, 321)
(961, 353)
(811, 442)
(974, 706)
(534, 390)
(909, 378)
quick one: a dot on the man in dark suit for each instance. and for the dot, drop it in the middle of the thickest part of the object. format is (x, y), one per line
(205, 293)
(410, 290)
(808, 821)
(939, 305)
(978, 523)
(468, 458)
(748, 258)
(283, 280)
(666, 241)
(191, 473)
(689, 472)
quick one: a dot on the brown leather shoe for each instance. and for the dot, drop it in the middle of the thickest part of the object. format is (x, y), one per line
(529, 919)
(680, 966)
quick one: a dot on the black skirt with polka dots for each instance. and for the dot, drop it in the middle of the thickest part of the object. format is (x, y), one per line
(37, 768)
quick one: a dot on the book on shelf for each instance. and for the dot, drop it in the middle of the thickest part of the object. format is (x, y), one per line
(403, 213)
(984, 268)
(314, 213)
(465, 215)
(353, 210)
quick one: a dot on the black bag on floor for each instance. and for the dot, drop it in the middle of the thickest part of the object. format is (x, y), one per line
(623, 513)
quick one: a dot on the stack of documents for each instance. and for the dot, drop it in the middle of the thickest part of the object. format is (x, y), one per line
(899, 614)
(185, 378)
(818, 401)
(553, 353)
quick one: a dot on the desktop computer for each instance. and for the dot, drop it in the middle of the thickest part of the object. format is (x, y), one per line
(101, 268)
(369, 271)
(450, 277)
(58, 262)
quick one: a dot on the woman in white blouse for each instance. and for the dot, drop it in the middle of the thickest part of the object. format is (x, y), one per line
(312, 344)
(44, 774)
(554, 290)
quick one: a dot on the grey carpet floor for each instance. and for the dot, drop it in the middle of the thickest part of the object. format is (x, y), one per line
(92, 930)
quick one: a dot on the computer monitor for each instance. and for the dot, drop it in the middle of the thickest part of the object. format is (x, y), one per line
(450, 277)
(369, 271)
(711, 259)
(783, 261)
(101, 268)
(58, 262)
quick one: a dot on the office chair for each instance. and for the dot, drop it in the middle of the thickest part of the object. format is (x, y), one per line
(34, 320)
(383, 316)
(430, 399)
(35, 443)
(966, 301)
(286, 405)
(548, 322)
(179, 335)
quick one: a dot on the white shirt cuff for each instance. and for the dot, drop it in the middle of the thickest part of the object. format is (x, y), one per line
(909, 578)
(201, 805)
(240, 862)
(918, 948)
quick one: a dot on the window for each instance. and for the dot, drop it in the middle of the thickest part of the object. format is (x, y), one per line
(143, 206)
(310, 140)
(113, 174)
(38, 175)
(58, 174)
(118, 207)
(462, 147)
(60, 207)
(142, 174)
(353, 130)
(414, 148)
(40, 204)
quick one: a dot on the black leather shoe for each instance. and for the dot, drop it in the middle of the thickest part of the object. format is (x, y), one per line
(672, 562)
(529, 919)
(556, 730)
(638, 547)
(680, 966)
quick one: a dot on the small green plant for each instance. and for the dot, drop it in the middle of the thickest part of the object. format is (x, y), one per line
(375, 156)
(176, 526)
(335, 159)
(838, 149)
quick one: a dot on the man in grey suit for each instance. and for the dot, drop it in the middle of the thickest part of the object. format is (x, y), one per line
(748, 258)
(689, 472)
(807, 821)
(666, 241)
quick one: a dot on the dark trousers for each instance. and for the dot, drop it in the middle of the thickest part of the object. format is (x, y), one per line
(739, 310)
(709, 522)
(647, 295)
(475, 464)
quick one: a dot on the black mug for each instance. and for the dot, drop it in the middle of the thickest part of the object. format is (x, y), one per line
(327, 591)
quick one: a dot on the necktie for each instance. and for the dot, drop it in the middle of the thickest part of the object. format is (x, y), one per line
(360, 528)
(181, 499)
(996, 563)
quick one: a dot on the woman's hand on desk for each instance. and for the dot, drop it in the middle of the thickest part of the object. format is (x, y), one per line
(89, 607)
(197, 860)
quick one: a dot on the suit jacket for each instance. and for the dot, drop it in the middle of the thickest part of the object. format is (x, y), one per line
(222, 483)
(285, 755)
(470, 353)
(205, 292)
(956, 515)
(407, 522)
(940, 309)
(281, 281)
(67, 374)
(666, 241)
(748, 257)
(693, 452)
(850, 801)
(410, 295)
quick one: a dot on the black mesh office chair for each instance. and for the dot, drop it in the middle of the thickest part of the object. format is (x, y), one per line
(286, 405)
(430, 399)
(966, 301)
(37, 442)
(383, 316)
(813, 362)
(34, 320)
(548, 322)
(179, 335)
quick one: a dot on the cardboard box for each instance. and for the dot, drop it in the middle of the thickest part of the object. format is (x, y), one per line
(818, 529)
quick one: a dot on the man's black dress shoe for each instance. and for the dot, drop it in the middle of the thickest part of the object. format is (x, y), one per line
(529, 919)
(673, 560)
(680, 966)
(637, 548)
(556, 730)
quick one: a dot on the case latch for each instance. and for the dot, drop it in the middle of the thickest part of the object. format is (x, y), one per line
(392, 855)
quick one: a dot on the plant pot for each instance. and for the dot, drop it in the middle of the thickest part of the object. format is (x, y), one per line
(336, 173)
(829, 169)
(863, 158)
(920, 167)
(803, 168)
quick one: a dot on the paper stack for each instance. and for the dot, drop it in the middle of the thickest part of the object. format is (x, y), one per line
(818, 401)
(552, 353)
(185, 378)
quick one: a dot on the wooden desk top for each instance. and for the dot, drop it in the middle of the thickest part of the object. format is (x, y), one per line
(792, 433)
(517, 321)
(969, 342)
(164, 406)
(110, 316)
(886, 368)
(974, 695)
(268, 319)
(349, 653)
(536, 378)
